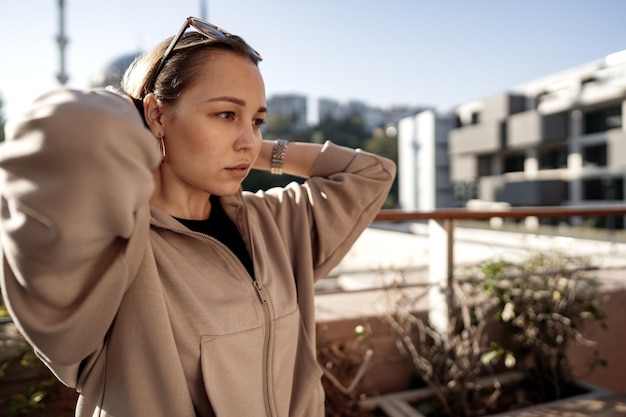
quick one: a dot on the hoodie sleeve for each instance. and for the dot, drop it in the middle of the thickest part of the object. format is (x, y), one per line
(75, 171)
(320, 220)
(347, 190)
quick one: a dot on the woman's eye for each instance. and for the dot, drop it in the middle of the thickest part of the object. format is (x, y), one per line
(228, 115)
(258, 122)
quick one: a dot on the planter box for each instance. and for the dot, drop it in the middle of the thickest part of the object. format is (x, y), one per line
(398, 404)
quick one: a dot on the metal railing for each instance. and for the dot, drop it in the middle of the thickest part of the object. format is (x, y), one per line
(441, 226)
(511, 212)
(446, 218)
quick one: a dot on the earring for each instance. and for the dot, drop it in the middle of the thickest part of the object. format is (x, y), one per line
(162, 147)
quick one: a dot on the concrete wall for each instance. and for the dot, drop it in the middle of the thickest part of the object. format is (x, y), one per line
(611, 343)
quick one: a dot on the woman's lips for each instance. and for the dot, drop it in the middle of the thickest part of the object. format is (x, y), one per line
(239, 170)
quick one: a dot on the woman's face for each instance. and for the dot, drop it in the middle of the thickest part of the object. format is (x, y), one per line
(212, 134)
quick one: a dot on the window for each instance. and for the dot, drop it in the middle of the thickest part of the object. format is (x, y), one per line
(603, 119)
(588, 81)
(605, 188)
(594, 155)
(464, 191)
(459, 192)
(484, 165)
(553, 158)
(472, 190)
(514, 163)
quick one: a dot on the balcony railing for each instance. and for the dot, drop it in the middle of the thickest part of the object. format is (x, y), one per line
(441, 226)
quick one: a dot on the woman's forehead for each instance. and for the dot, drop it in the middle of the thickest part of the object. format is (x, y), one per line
(228, 75)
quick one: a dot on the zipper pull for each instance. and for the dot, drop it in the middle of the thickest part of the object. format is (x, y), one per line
(259, 291)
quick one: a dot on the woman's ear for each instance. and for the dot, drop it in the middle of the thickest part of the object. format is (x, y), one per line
(153, 114)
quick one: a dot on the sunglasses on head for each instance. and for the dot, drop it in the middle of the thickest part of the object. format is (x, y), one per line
(212, 32)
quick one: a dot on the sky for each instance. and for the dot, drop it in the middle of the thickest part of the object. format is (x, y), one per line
(438, 53)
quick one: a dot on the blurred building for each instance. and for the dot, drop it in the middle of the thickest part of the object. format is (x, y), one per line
(558, 140)
(291, 108)
(341, 109)
(373, 117)
(423, 163)
(112, 73)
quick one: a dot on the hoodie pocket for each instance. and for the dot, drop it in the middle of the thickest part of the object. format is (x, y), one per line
(232, 372)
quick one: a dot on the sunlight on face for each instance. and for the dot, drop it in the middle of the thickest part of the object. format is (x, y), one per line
(213, 134)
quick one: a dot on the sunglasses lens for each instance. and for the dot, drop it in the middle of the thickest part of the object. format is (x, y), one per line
(207, 29)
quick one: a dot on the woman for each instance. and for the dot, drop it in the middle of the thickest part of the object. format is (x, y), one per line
(138, 269)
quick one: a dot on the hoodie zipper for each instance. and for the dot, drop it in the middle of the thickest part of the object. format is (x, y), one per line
(266, 312)
(266, 347)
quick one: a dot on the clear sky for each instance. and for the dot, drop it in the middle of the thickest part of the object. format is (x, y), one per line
(419, 52)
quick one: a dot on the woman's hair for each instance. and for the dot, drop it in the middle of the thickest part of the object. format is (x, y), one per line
(181, 69)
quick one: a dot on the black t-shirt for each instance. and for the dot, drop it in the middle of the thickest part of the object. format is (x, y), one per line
(220, 227)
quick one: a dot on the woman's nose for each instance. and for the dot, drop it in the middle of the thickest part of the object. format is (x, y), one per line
(248, 137)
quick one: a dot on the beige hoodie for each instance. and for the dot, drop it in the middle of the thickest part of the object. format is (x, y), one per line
(143, 316)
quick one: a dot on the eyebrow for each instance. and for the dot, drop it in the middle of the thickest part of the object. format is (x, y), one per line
(236, 101)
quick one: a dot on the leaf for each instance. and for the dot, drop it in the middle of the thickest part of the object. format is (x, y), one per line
(490, 356)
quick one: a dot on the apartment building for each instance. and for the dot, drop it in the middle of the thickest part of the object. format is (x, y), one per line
(341, 109)
(290, 107)
(559, 140)
(423, 162)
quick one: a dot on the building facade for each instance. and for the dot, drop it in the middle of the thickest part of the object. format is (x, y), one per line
(291, 108)
(559, 140)
(331, 109)
(423, 177)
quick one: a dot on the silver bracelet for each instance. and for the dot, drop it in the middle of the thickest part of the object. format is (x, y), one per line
(278, 156)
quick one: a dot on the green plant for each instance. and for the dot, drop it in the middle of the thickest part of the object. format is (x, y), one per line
(541, 304)
(2, 120)
(4, 312)
(32, 400)
(545, 302)
(19, 364)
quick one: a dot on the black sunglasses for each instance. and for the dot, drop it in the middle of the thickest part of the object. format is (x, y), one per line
(205, 28)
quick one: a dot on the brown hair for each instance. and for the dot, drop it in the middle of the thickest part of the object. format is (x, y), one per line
(181, 68)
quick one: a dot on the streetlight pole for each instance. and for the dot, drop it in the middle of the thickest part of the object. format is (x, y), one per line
(62, 41)
(204, 10)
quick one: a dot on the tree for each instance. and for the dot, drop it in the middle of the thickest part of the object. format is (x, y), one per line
(3, 310)
(277, 126)
(387, 146)
(348, 131)
(2, 121)
(383, 145)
